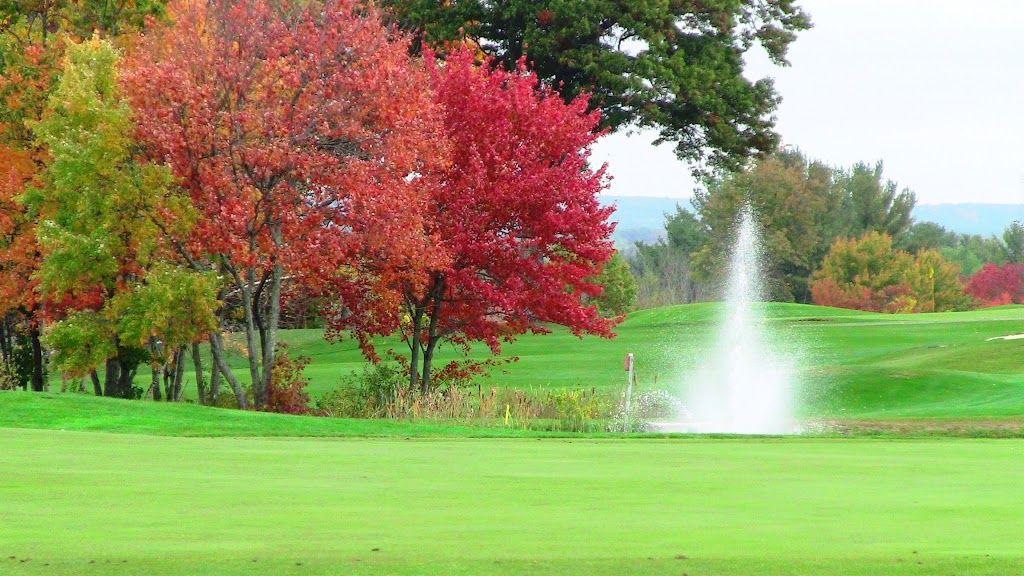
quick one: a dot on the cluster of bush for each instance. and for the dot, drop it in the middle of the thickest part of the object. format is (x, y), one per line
(869, 273)
(998, 285)
(382, 392)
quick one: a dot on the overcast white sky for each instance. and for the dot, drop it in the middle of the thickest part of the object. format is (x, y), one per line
(934, 88)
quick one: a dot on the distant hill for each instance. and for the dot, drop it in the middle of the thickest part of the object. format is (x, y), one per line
(642, 218)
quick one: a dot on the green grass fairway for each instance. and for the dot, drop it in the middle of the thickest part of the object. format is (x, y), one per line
(852, 364)
(224, 492)
(80, 412)
(75, 503)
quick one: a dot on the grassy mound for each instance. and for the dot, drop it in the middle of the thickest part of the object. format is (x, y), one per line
(79, 412)
(851, 364)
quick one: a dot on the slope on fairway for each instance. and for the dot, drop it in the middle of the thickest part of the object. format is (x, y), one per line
(80, 412)
(96, 504)
(854, 364)
(934, 365)
(851, 364)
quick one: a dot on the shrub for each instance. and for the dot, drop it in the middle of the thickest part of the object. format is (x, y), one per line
(869, 274)
(576, 409)
(287, 391)
(382, 391)
(226, 397)
(364, 395)
(997, 285)
(9, 379)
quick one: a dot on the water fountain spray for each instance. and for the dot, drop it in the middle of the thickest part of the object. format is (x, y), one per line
(745, 386)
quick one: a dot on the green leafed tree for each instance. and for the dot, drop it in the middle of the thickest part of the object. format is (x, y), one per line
(797, 206)
(620, 290)
(684, 231)
(675, 66)
(33, 37)
(1013, 242)
(874, 204)
(79, 18)
(970, 252)
(922, 236)
(103, 219)
(662, 268)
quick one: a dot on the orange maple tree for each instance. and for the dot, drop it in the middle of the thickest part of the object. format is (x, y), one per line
(295, 139)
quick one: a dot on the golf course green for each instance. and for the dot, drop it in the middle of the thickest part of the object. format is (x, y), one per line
(94, 486)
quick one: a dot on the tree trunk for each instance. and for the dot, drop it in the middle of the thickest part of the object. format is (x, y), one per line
(217, 348)
(10, 336)
(5, 343)
(96, 387)
(154, 387)
(165, 375)
(257, 313)
(197, 361)
(274, 319)
(215, 375)
(415, 347)
(214, 381)
(432, 334)
(255, 353)
(37, 360)
(179, 375)
(110, 378)
(127, 374)
(428, 361)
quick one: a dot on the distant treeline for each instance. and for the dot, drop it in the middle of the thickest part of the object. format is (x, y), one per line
(836, 236)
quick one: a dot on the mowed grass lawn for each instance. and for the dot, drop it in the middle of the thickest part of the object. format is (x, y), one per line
(114, 504)
(217, 493)
(850, 364)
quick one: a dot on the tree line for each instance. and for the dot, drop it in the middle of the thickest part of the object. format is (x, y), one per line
(176, 172)
(833, 236)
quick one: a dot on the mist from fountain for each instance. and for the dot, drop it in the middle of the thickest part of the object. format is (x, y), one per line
(745, 385)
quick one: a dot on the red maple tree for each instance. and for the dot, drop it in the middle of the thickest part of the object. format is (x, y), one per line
(294, 127)
(515, 216)
(998, 285)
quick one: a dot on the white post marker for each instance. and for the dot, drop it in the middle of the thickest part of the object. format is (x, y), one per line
(629, 389)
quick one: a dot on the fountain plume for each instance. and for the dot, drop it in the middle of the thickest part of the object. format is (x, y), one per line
(745, 386)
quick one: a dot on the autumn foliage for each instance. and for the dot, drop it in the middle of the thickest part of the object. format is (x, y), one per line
(314, 116)
(163, 188)
(287, 394)
(867, 273)
(293, 139)
(18, 249)
(26, 79)
(514, 216)
(998, 285)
